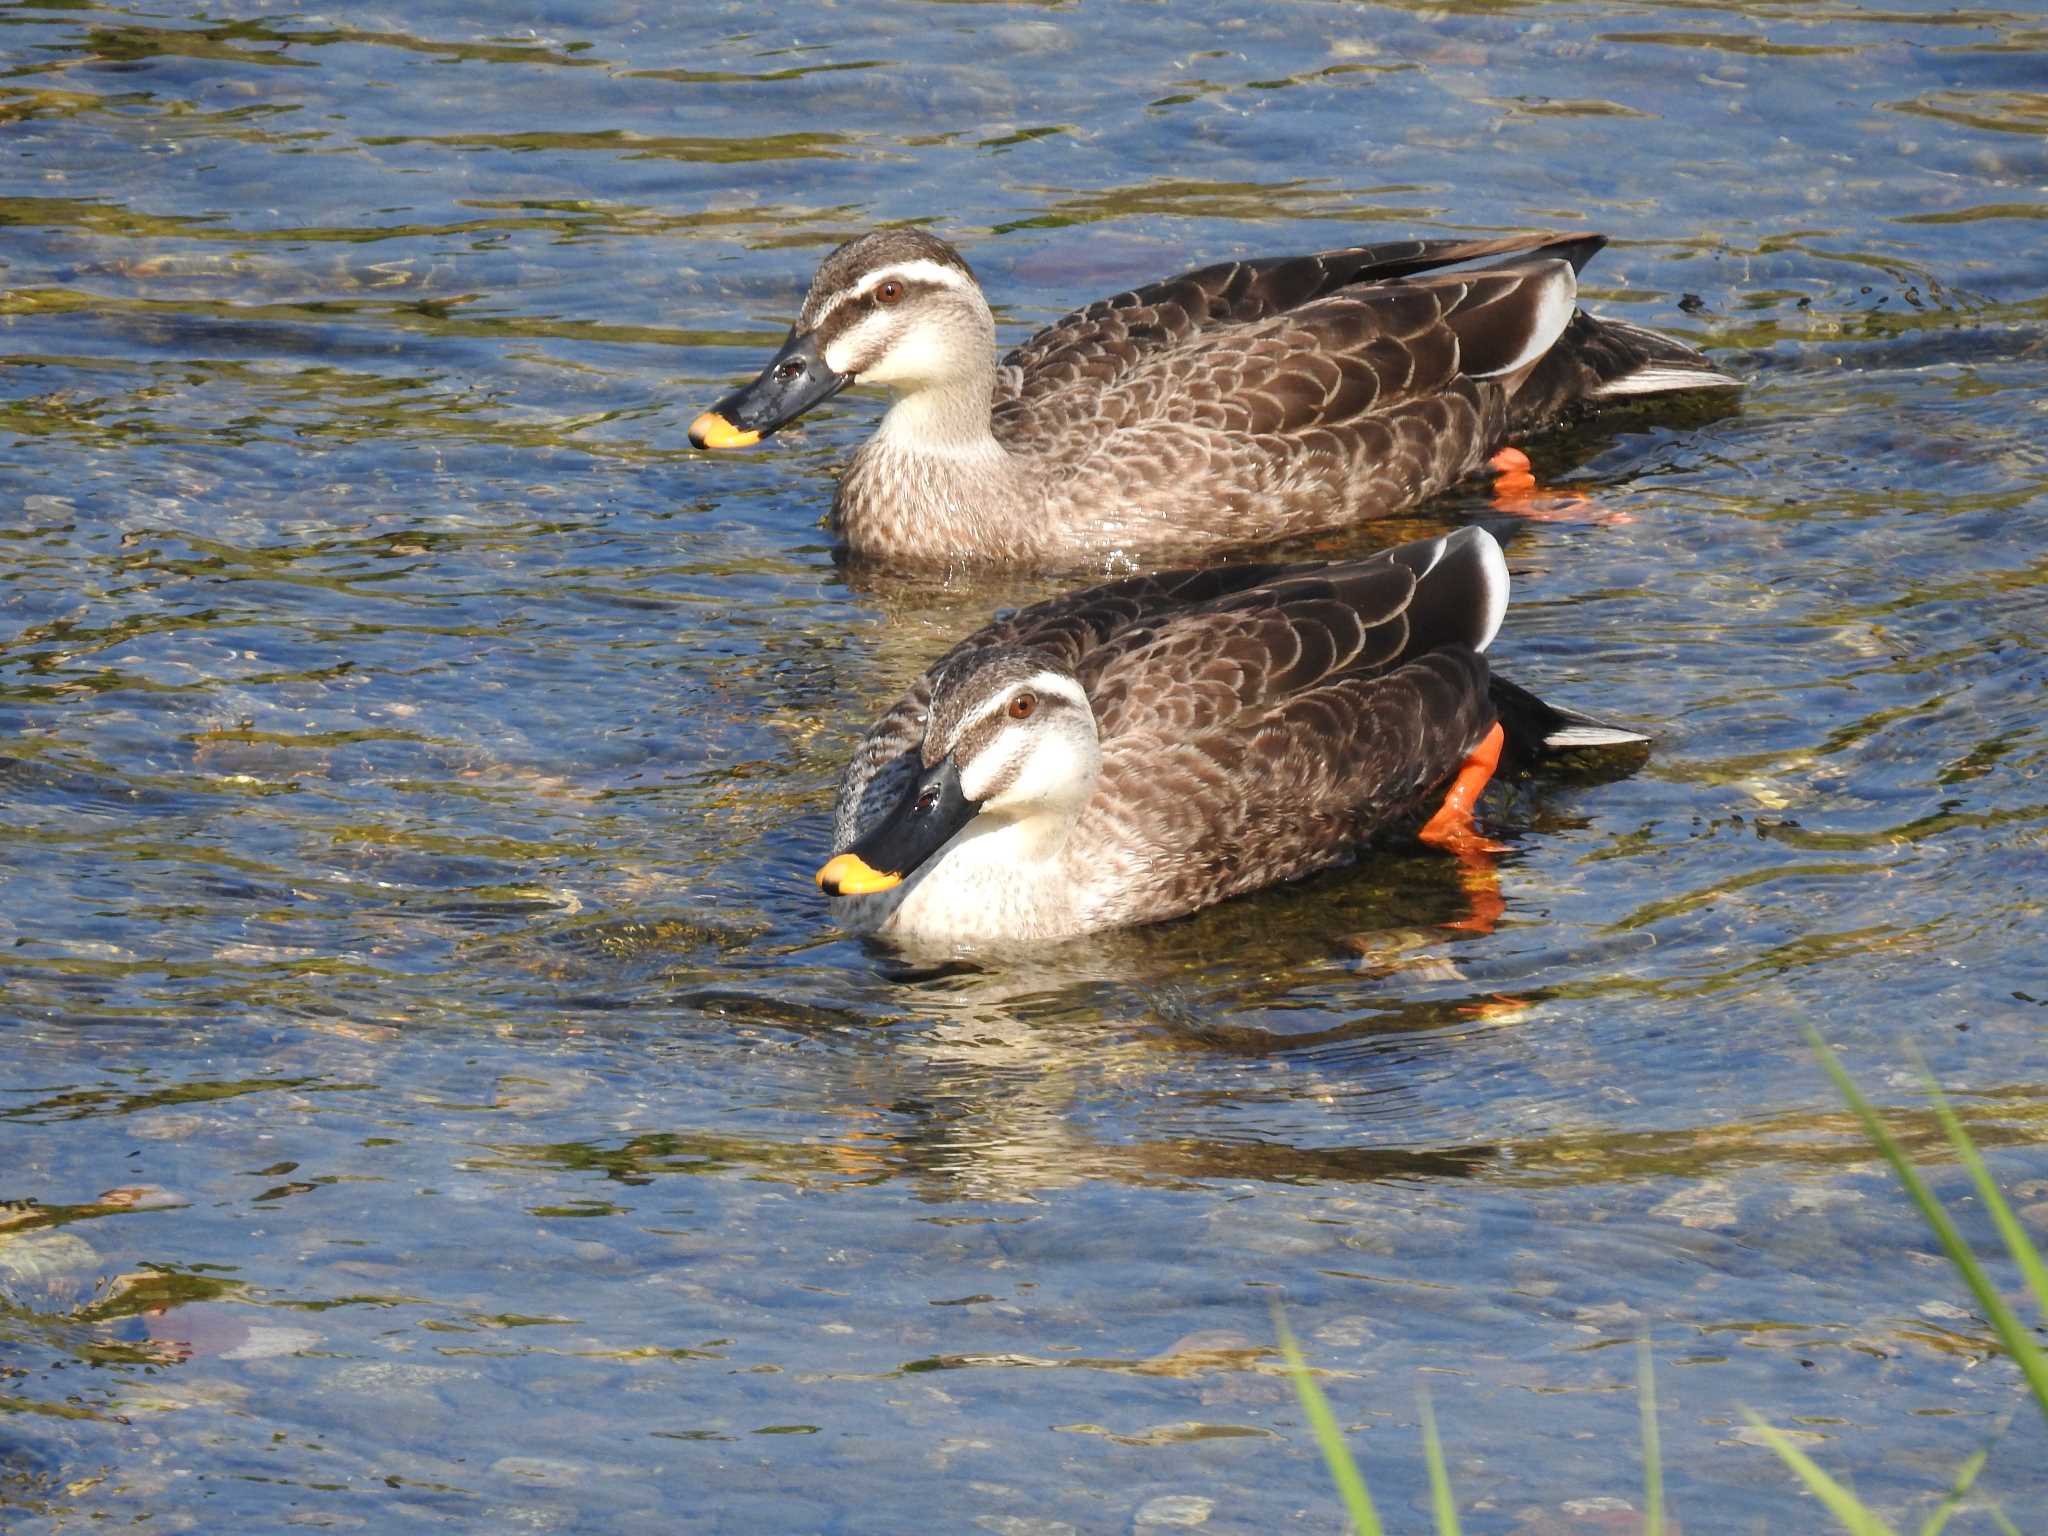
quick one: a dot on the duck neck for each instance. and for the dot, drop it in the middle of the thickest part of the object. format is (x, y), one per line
(933, 484)
(997, 879)
(943, 419)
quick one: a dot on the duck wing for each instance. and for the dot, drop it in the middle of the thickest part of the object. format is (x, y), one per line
(1096, 345)
(1267, 733)
(1345, 408)
(1209, 666)
(1066, 628)
(1292, 629)
(1185, 821)
(1183, 650)
(1329, 364)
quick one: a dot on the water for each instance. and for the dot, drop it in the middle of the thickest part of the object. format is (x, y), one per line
(444, 1103)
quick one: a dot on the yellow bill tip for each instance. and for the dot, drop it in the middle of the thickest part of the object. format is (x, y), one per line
(851, 876)
(712, 430)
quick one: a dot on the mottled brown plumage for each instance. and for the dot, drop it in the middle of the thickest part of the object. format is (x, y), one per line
(1194, 735)
(1244, 402)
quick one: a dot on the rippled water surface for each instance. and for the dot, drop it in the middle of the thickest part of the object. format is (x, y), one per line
(431, 1096)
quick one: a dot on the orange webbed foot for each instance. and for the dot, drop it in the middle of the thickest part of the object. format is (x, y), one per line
(1515, 491)
(1452, 828)
(1467, 841)
(1511, 461)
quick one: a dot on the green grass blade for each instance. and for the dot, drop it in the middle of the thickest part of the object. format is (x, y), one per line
(1855, 1516)
(1439, 1478)
(2004, 1525)
(2018, 1341)
(1966, 1477)
(2021, 1246)
(1336, 1455)
(1653, 1448)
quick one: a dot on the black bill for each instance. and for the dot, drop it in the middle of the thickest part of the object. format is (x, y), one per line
(795, 379)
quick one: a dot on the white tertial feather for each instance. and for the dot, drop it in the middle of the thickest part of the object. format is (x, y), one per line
(1494, 568)
(1475, 543)
(1556, 297)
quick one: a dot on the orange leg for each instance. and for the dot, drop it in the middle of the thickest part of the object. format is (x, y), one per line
(1516, 491)
(1451, 827)
(1481, 880)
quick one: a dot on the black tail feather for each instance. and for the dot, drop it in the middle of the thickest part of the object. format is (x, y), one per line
(1598, 360)
(1535, 729)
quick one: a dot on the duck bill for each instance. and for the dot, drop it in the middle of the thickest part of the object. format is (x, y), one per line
(795, 379)
(924, 822)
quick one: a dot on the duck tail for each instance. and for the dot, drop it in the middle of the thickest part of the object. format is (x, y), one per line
(1598, 360)
(1631, 360)
(1535, 728)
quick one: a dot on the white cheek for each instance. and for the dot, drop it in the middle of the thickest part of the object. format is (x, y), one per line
(912, 358)
(1052, 770)
(987, 770)
(840, 354)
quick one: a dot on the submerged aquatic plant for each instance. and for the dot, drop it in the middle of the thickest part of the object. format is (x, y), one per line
(1855, 1516)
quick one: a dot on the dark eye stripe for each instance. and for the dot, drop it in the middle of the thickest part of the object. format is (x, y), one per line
(999, 715)
(912, 289)
(973, 740)
(850, 313)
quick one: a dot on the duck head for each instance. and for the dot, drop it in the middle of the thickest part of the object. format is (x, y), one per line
(1010, 757)
(896, 307)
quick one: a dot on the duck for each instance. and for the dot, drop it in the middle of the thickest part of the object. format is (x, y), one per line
(1143, 749)
(1239, 404)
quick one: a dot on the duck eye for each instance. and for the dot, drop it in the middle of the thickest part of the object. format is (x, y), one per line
(928, 799)
(890, 291)
(1023, 706)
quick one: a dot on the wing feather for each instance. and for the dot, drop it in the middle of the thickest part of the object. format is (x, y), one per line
(1300, 391)
(1104, 338)
(1204, 817)
(1066, 628)
(1321, 698)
